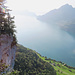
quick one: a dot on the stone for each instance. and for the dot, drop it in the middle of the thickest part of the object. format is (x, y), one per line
(7, 52)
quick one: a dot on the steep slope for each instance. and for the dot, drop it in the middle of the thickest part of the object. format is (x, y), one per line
(7, 52)
(64, 14)
(63, 17)
(29, 63)
(7, 39)
(61, 68)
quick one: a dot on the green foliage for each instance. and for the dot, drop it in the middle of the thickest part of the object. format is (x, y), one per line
(7, 27)
(61, 68)
(2, 66)
(6, 21)
(27, 62)
(15, 72)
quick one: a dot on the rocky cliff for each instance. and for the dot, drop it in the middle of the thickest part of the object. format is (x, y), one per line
(7, 52)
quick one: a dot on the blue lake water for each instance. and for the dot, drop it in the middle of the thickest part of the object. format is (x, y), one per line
(48, 40)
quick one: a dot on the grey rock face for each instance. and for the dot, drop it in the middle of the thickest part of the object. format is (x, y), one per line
(7, 52)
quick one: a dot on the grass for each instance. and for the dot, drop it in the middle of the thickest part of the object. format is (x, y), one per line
(60, 67)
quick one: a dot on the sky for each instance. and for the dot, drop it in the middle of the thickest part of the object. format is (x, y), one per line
(39, 7)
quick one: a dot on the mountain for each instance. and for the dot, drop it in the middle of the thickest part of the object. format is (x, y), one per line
(29, 62)
(63, 17)
(7, 53)
(7, 40)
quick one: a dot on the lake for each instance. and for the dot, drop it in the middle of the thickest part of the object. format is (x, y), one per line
(48, 40)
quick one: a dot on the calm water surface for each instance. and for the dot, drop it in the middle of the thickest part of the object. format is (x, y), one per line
(48, 40)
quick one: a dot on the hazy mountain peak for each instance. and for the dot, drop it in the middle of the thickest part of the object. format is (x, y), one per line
(63, 17)
(66, 6)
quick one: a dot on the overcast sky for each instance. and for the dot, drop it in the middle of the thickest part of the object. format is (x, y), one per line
(39, 7)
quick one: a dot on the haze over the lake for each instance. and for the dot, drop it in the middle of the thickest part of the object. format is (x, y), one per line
(48, 40)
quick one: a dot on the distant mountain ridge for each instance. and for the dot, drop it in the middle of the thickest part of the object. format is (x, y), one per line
(63, 17)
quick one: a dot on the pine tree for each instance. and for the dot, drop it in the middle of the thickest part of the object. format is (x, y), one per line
(6, 21)
(6, 27)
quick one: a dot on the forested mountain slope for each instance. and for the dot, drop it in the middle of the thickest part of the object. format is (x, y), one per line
(28, 63)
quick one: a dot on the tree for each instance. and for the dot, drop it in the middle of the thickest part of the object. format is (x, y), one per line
(6, 21)
(6, 27)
